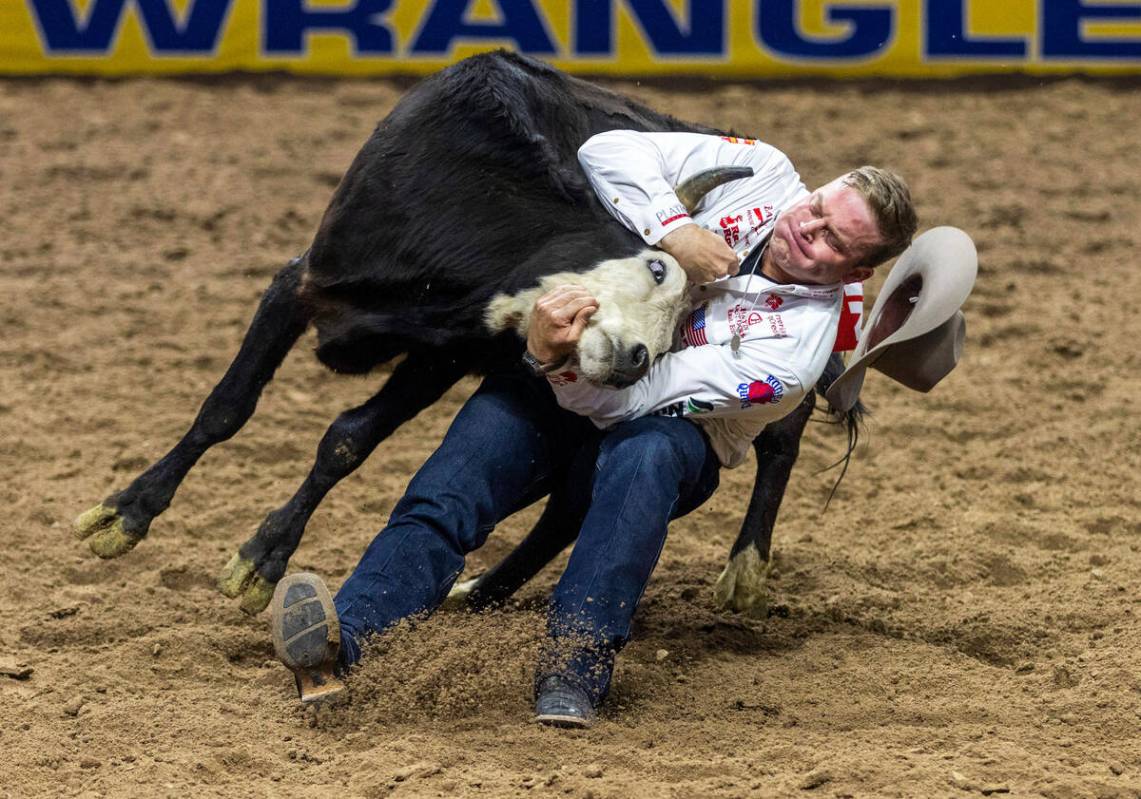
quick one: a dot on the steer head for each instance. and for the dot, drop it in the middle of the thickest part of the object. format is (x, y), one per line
(641, 300)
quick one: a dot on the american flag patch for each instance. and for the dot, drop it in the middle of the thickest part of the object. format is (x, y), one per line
(693, 329)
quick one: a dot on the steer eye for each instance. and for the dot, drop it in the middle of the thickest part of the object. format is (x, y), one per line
(658, 270)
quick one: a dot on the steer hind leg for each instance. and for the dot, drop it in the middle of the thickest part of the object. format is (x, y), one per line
(114, 526)
(741, 586)
(414, 384)
(556, 529)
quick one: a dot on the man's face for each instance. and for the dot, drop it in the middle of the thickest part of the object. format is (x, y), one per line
(821, 239)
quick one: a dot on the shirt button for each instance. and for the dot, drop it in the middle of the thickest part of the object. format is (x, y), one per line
(646, 232)
(615, 201)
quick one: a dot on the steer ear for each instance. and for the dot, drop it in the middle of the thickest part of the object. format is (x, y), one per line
(506, 311)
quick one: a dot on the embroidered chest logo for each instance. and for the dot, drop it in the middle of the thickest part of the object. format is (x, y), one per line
(741, 318)
(769, 391)
(731, 228)
(752, 218)
(773, 301)
(759, 217)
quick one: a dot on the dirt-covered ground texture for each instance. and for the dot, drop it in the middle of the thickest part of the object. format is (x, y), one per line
(962, 621)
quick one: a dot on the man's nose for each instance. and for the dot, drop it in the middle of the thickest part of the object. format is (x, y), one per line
(811, 227)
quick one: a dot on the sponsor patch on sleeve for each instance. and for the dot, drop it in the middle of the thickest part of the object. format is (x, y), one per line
(694, 406)
(672, 214)
(769, 391)
(690, 406)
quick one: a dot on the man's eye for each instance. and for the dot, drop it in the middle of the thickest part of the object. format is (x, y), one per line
(658, 270)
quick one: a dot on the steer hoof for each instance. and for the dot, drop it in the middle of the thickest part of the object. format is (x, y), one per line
(240, 579)
(103, 529)
(741, 586)
(457, 597)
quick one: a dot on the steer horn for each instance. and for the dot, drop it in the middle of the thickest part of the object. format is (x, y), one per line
(693, 189)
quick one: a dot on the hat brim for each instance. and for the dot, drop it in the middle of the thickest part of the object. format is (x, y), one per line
(922, 294)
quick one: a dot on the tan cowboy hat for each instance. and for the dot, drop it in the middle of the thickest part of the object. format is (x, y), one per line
(915, 332)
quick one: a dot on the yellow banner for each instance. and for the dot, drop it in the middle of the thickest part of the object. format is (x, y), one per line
(725, 38)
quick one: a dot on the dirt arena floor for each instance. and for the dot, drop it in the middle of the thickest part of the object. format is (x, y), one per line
(963, 620)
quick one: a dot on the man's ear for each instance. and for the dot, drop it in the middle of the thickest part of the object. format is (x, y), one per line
(858, 274)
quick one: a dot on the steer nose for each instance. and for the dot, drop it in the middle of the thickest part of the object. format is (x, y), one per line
(639, 357)
(630, 367)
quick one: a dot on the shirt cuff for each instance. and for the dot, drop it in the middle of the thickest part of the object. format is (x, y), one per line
(562, 377)
(665, 214)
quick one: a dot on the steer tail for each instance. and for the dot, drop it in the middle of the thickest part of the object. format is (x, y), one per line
(852, 419)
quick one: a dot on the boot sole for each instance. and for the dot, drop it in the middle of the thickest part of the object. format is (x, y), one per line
(307, 634)
(566, 722)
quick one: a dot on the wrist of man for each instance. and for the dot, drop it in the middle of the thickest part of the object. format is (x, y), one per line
(542, 349)
(539, 366)
(678, 236)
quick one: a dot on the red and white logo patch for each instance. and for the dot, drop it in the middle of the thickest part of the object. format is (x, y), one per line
(731, 228)
(851, 312)
(562, 378)
(759, 217)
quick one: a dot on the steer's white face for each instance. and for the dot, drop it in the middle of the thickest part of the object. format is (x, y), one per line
(641, 300)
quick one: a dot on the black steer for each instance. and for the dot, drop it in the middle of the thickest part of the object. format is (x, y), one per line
(469, 188)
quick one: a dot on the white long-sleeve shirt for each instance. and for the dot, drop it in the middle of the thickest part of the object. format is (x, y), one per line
(786, 332)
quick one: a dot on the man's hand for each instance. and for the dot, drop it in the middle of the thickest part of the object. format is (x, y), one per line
(703, 254)
(557, 322)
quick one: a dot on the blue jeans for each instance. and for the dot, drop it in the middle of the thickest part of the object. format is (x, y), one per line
(509, 446)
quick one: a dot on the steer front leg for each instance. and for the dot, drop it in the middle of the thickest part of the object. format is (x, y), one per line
(741, 586)
(114, 526)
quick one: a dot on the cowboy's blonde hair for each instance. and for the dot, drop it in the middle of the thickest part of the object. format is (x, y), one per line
(889, 199)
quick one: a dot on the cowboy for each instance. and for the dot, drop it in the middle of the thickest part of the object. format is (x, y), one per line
(769, 261)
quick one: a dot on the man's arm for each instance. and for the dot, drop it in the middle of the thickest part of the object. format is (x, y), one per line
(708, 381)
(703, 254)
(634, 175)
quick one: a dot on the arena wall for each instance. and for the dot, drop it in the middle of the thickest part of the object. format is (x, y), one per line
(724, 38)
